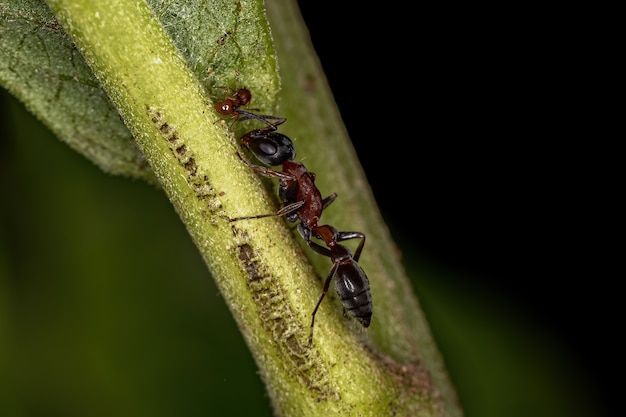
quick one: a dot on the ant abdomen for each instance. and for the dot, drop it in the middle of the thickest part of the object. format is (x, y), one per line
(353, 288)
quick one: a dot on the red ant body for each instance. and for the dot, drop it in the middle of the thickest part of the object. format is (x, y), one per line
(301, 198)
(302, 201)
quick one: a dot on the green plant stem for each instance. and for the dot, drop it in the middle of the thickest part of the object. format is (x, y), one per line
(269, 285)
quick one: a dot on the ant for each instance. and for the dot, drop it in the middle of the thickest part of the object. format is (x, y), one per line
(302, 201)
(231, 106)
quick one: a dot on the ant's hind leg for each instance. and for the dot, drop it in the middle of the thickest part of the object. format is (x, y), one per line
(324, 291)
(341, 236)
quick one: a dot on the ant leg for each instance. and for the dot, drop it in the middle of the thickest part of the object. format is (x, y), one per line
(326, 202)
(290, 208)
(246, 115)
(279, 120)
(324, 291)
(318, 248)
(341, 236)
(306, 234)
(266, 172)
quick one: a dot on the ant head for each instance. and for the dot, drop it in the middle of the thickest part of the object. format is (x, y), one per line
(225, 107)
(271, 148)
(231, 104)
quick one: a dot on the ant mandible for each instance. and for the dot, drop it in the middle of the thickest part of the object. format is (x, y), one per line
(303, 202)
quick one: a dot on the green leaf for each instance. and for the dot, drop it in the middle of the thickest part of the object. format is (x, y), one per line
(40, 65)
(222, 43)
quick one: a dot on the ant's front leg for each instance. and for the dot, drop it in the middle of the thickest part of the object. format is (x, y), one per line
(282, 212)
(266, 172)
(270, 173)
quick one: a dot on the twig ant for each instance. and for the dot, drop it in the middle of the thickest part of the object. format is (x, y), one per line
(303, 202)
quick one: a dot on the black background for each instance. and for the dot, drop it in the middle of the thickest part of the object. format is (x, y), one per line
(469, 155)
(451, 153)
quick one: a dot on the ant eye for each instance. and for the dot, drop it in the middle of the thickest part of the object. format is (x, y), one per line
(273, 148)
(267, 148)
(223, 107)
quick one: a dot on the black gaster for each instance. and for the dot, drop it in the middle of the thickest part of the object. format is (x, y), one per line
(353, 287)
